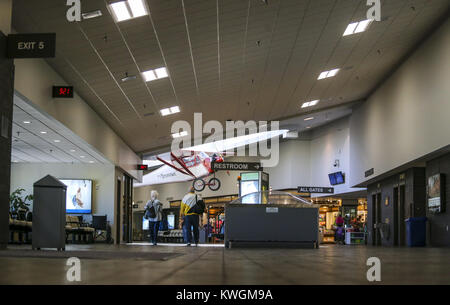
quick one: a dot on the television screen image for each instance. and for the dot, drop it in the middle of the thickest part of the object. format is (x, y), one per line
(336, 178)
(332, 179)
(339, 178)
(78, 196)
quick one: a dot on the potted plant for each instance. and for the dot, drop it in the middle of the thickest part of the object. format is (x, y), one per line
(19, 205)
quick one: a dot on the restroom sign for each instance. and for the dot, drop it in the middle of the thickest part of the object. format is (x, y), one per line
(42, 45)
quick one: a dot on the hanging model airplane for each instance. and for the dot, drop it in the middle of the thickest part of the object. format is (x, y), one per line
(195, 163)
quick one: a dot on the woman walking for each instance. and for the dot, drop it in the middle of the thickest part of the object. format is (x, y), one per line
(153, 211)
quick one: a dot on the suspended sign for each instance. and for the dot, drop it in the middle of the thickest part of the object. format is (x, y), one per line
(237, 166)
(315, 189)
(31, 45)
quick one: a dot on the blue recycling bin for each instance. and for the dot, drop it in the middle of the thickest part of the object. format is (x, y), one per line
(416, 231)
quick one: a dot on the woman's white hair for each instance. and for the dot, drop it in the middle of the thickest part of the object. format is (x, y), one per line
(154, 194)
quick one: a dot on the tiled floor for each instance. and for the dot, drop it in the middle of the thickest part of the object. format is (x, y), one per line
(330, 264)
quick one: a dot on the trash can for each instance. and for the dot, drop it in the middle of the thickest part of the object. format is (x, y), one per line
(416, 231)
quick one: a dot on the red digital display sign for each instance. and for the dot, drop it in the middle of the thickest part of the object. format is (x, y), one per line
(62, 91)
(142, 167)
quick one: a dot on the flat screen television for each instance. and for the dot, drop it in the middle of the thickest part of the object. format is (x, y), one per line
(78, 196)
(336, 178)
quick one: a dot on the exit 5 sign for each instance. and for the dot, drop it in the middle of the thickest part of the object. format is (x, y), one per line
(62, 92)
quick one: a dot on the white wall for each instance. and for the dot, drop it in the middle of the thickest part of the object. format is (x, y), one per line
(408, 116)
(23, 175)
(34, 79)
(328, 144)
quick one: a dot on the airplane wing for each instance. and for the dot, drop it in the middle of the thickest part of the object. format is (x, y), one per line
(168, 174)
(226, 145)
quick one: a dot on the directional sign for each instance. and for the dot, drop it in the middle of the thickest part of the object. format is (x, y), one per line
(315, 189)
(31, 45)
(237, 166)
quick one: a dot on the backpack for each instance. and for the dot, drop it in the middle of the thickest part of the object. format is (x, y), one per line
(150, 212)
(198, 208)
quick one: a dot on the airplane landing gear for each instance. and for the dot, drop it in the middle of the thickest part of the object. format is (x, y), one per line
(213, 184)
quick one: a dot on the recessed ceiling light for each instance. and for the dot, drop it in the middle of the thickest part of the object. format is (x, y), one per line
(175, 109)
(155, 74)
(56, 141)
(308, 127)
(82, 157)
(92, 14)
(26, 122)
(310, 104)
(43, 132)
(124, 10)
(91, 161)
(120, 11)
(327, 74)
(357, 27)
(179, 134)
(171, 110)
(308, 119)
(137, 8)
(72, 150)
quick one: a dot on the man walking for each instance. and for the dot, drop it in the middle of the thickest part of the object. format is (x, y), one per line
(190, 219)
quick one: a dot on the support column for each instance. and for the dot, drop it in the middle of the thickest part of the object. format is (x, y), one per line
(6, 108)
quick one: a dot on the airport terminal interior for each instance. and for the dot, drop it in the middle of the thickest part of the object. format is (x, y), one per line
(231, 141)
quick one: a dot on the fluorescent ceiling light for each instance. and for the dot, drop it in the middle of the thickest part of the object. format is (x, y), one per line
(82, 157)
(125, 10)
(72, 150)
(56, 141)
(120, 10)
(308, 119)
(149, 75)
(91, 161)
(327, 74)
(175, 109)
(165, 111)
(93, 14)
(350, 28)
(137, 8)
(357, 27)
(155, 74)
(179, 134)
(310, 104)
(171, 110)
(26, 122)
(43, 132)
(161, 72)
(362, 25)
